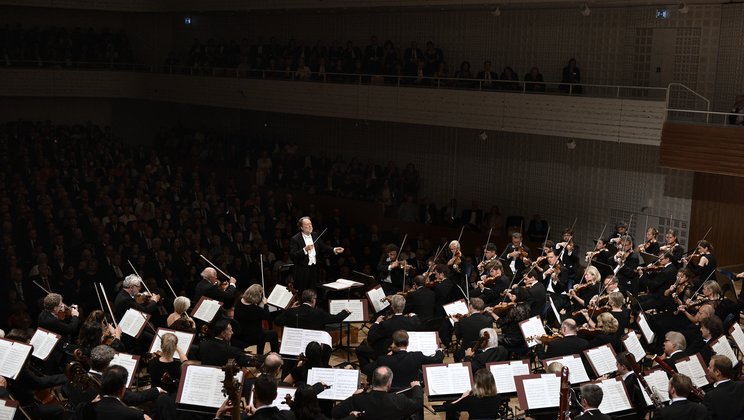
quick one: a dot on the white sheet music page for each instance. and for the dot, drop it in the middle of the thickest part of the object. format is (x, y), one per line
(456, 307)
(694, 370)
(132, 321)
(280, 297)
(127, 361)
(576, 371)
(633, 345)
(738, 335)
(356, 307)
(614, 398)
(279, 402)
(504, 373)
(542, 392)
(202, 386)
(207, 310)
(343, 382)
(184, 340)
(377, 298)
(658, 381)
(532, 330)
(342, 284)
(723, 347)
(646, 330)
(449, 379)
(7, 409)
(602, 359)
(423, 341)
(13, 356)
(294, 340)
(43, 342)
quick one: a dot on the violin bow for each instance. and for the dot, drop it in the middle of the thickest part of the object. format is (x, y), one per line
(589, 264)
(263, 283)
(576, 219)
(397, 258)
(108, 304)
(215, 267)
(141, 279)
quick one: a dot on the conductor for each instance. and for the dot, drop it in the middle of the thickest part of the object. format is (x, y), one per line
(304, 249)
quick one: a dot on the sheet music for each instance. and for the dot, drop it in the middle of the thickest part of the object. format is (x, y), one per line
(279, 402)
(343, 382)
(423, 341)
(504, 373)
(723, 347)
(576, 371)
(127, 361)
(13, 355)
(693, 368)
(202, 386)
(648, 333)
(44, 342)
(633, 345)
(207, 309)
(532, 330)
(342, 284)
(448, 379)
(738, 335)
(377, 298)
(658, 381)
(542, 392)
(184, 340)
(132, 322)
(280, 297)
(615, 398)
(356, 307)
(7, 409)
(294, 340)
(456, 307)
(602, 359)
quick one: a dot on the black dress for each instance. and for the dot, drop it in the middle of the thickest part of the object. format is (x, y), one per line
(477, 408)
(157, 369)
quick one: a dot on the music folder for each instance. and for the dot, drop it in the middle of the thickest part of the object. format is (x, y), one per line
(200, 388)
(376, 296)
(44, 342)
(206, 309)
(357, 307)
(343, 382)
(615, 397)
(633, 345)
(694, 368)
(458, 307)
(722, 346)
(505, 372)
(646, 330)
(601, 359)
(280, 401)
(532, 329)
(342, 284)
(576, 370)
(8, 408)
(280, 297)
(447, 381)
(133, 322)
(128, 362)
(538, 391)
(13, 355)
(184, 340)
(427, 342)
(658, 382)
(294, 340)
(738, 335)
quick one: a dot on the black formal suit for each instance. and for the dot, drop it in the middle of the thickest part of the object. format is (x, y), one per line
(421, 302)
(725, 402)
(518, 263)
(305, 275)
(67, 329)
(216, 352)
(467, 330)
(111, 408)
(635, 395)
(405, 366)
(125, 301)
(481, 358)
(272, 413)
(535, 296)
(593, 414)
(660, 281)
(379, 405)
(681, 410)
(395, 276)
(309, 318)
(214, 291)
(672, 359)
(380, 335)
(566, 346)
(627, 276)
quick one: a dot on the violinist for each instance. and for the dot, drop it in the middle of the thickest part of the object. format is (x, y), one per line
(444, 288)
(708, 303)
(608, 327)
(656, 282)
(468, 329)
(250, 311)
(625, 263)
(516, 255)
(165, 370)
(601, 258)
(211, 287)
(489, 258)
(555, 280)
(392, 270)
(621, 229)
(582, 293)
(650, 246)
(681, 290)
(455, 263)
(483, 402)
(380, 335)
(569, 343)
(405, 365)
(702, 262)
(130, 288)
(672, 245)
(568, 254)
(490, 287)
(59, 318)
(533, 293)
(511, 335)
(488, 352)
(181, 306)
(420, 300)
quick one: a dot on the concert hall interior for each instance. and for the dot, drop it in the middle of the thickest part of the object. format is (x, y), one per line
(297, 208)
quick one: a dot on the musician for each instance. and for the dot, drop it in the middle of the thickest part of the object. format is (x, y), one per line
(483, 402)
(250, 311)
(264, 393)
(305, 315)
(420, 301)
(305, 250)
(380, 335)
(601, 257)
(724, 401)
(586, 290)
(516, 255)
(650, 246)
(217, 350)
(568, 254)
(111, 406)
(165, 370)
(680, 408)
(379, 404)
(490, 352)
(181, 306)
(712, 296)
(312, 357)
(405, 365)
(703, 263)
(444, 290)
(392, 270)
(512, 338)
(608, 327)
(616, 301)
(490, 287)
(591, 398)
(621, 229)
(656, 283)
(671, 244)
(625, 263)
(569, 344)
(211, 287)
(49, 320)
(711, 328)
(125, 300)
(532, 292)
(555, 280)
(674, 347)
(456, 263)
(468, 329)
(489, 259)
(630, 379)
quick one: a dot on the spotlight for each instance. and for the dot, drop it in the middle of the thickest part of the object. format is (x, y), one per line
(483, 136)
(496, 12)
(682, 8)
(585, 10)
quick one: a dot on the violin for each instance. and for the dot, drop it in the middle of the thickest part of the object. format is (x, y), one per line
(143, 298)
(66, 312)
(481, 343)
(522, 253)
(501, 308)
(651, 268)
(547, 339)
(588, 332)
(581, 287)
(646, 245)
(456, 260)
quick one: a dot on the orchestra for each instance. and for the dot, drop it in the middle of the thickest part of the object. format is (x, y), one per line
(475, 312)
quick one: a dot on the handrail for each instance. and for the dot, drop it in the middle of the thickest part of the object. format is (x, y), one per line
(726, 115)
(669, 89)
